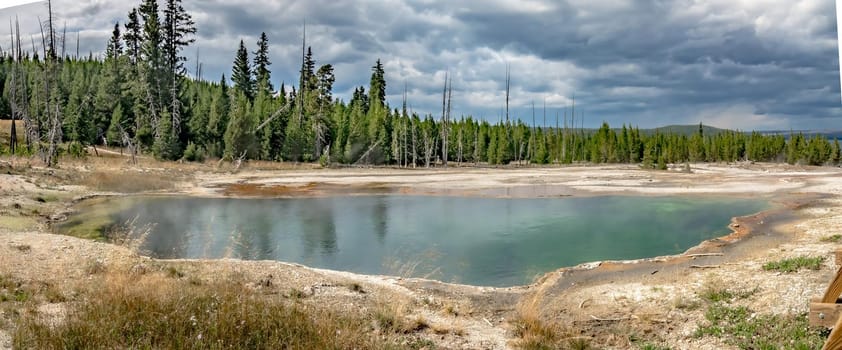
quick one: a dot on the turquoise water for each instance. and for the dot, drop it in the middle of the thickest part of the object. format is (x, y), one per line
(479, 241)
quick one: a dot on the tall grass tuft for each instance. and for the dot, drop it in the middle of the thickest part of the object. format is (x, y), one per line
(534, 333)
(153, 311)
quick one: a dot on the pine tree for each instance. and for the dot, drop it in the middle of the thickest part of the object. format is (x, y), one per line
(177, 31)
(650, 153)
(491, 152)
(261, 64)
(323, 96)
(262, 109)
(241, 73)
(377, 86)
(116, 126)
(218, 119)
(151, 67)
(133, 36)
(818, 151)
(115, 47)
(78, 125)
(325, 80)
(794, 148)
(177, 34)
(150, 48)
(109, 94)
(166, 146)
(539, 155)
(239, 136)
(503, 154)
(307, 73)
(200, 116)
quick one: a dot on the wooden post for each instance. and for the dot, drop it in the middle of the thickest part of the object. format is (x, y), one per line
(823, 314)
(834, 340)
(827, 311)
(834, 290)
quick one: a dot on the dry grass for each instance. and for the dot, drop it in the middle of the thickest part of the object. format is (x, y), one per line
(126, 182)
(19, 291)
(6, 131)
(391, 318)
(452, 328)
(159, 312)
(18, 223)
(534, 333)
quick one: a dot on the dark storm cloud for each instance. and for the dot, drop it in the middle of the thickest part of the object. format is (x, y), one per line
(732, 63)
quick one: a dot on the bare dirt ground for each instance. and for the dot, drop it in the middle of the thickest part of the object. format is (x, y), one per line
(614, 304)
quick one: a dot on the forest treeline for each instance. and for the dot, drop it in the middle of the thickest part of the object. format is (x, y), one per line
(139, 97)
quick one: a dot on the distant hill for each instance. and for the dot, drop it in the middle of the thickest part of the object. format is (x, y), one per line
(669, 129)
(830, 134)
(711, 130)
(685, 130)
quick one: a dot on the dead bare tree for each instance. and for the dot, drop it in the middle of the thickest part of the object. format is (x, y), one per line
(414, 140)
(429, 147)
(320, 131)
(54, 136)
(557, 139)
(405, 117)
(447, 124)
(544, 126)
(476, 146)
(530, 152)
(51, 32)
(365, 155)
(175, 107)
(583, 133)
(573, 127)
(196, 75)
(565, 138)
(63, 37)
(13, 141)
(508, 81)
(127, 140)
(239, 161)
(53, 110)
(444, 122)
(20, 100)
(301, 90)
(462, 124)
(277, 113)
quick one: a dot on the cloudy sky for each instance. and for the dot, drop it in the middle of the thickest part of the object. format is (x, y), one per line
(748, 64)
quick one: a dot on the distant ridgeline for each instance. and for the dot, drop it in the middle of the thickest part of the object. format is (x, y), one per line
(140, 97)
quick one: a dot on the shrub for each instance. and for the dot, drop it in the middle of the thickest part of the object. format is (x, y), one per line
(194, 153)
(76, 150)
(795, 264)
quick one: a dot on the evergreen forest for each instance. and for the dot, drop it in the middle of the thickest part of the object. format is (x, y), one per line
(140, 97)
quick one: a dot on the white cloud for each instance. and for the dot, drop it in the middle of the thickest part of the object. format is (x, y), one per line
(645, 62)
